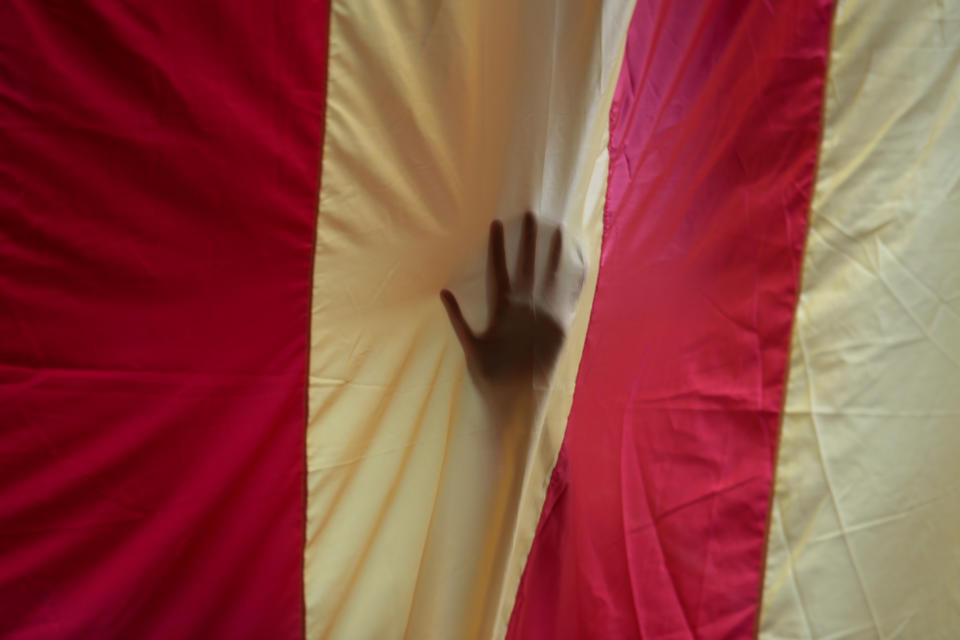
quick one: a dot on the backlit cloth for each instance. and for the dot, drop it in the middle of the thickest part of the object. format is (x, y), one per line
(440, 117)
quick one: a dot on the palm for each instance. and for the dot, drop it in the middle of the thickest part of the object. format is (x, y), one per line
(523, 338)
(520, 342)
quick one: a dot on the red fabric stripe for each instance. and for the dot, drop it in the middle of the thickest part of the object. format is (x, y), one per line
(655, 516)
(158, 196)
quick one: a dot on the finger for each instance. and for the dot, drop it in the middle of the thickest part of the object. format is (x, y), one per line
(527, 257)
(498, 261)
(460, 326)
(553, 260)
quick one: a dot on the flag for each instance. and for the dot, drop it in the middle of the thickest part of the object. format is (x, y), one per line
(232, 405)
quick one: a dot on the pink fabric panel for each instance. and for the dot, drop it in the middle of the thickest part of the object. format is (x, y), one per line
(158, 181)
(655, 518)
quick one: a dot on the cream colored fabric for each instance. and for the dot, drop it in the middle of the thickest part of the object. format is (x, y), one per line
(865, 533)
(441, 116)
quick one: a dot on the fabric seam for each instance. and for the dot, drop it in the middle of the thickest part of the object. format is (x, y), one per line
(309, 330)
(793, 324)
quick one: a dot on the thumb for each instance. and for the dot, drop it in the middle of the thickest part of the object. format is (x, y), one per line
(460, 327)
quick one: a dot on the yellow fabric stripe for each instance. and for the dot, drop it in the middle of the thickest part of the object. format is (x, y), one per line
(866, 522)
(441, 116)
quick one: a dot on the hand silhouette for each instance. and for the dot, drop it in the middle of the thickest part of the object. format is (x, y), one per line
(523, 337)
